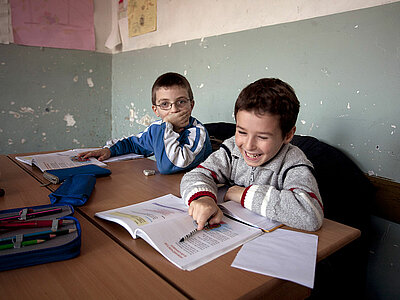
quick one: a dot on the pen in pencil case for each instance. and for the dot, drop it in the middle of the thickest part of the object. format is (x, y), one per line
(40, 234)
(33, 223)
(23, 244)
(32, 214)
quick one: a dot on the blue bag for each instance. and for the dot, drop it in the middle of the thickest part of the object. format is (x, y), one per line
(75, 190)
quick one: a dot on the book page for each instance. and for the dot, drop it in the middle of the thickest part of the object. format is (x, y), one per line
(240, 213)
(163, 221)
(62, 160)
(200, 248)
(146, 213)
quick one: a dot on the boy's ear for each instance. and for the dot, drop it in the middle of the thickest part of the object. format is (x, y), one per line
(289, 136)
(154, 108)
(192, 103)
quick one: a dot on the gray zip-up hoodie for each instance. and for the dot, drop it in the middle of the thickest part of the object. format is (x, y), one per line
(283, 189)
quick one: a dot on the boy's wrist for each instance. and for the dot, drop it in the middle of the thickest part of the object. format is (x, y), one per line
(201, 195)
(234, 193)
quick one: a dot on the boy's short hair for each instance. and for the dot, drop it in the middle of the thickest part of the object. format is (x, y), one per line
(170, 79)
(270, 95)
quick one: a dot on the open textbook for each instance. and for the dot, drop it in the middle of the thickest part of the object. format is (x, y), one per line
(68, 159)
(162, 222)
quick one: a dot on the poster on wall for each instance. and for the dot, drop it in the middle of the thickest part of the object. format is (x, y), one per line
(65, 24)
(142, 16)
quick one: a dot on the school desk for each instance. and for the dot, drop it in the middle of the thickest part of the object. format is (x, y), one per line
(103, 270)
(128, 185)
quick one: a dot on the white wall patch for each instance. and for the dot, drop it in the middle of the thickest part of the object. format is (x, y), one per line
(90, 82)
(70, 120)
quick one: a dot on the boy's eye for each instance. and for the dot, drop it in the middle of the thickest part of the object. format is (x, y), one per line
(241, 132)
(182, 101)
(165, 104)
(263, 137)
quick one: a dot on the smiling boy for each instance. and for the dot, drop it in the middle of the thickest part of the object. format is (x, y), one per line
(178, 141)
(258, 166)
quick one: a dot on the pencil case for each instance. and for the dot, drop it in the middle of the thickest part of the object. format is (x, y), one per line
(59, 175)
(23, 244)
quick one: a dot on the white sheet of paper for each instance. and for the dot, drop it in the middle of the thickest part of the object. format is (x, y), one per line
(284, 254)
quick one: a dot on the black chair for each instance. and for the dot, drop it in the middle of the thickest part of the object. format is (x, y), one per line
(219, 132)
(346, 193)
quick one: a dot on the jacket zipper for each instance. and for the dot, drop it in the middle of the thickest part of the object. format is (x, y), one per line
(252, 175)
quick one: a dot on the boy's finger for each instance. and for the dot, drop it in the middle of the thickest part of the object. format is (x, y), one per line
(201, 224)
(217, 218)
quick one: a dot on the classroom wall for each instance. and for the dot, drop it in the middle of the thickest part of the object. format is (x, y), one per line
(344, 68)
(53, 99)
(182, 20)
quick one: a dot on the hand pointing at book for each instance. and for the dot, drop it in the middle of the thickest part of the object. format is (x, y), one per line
(205, 210)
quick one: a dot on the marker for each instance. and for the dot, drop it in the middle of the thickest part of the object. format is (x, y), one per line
(23, 244)
(39, 234)
(33, 214)
(32, 224)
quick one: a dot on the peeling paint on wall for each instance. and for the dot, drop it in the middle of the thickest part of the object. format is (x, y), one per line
(15, 114)
(90, 82)
(146, 120)
(27, 110)
(69, 119)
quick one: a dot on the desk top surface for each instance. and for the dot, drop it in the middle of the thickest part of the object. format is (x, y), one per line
(102, 270)
(128, 185)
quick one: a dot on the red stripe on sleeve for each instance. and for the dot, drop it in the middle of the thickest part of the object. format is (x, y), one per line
(201, 194)
(244, 195)
(312, 196)
(213, 174)
(316, 198)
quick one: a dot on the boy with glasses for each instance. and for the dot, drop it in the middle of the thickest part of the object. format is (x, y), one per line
(260, 169)
(178, 141)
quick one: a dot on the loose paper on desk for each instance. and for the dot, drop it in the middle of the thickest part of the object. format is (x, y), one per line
(284, 254)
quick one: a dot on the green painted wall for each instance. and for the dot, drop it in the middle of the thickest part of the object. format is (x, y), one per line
(345, 69)
(53, 99)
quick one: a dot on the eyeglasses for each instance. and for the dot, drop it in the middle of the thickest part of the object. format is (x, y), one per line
(181, 103)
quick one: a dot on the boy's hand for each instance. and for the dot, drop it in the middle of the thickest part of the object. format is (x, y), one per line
(179, 119)
(234, 193)
(101, 154)
(205, 209)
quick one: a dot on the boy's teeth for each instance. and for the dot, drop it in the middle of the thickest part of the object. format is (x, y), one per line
(252, 155)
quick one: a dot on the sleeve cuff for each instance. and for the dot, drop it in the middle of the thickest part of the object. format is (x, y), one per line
(244, 195)
(201, 194)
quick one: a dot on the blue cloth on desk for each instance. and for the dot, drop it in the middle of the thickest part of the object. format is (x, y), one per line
(75, 190)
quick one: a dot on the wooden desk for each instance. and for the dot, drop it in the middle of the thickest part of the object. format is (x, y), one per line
(103, 270)
(128, 185)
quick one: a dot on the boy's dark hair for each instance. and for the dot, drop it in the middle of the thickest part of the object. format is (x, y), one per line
(270, 95)
(170, 79)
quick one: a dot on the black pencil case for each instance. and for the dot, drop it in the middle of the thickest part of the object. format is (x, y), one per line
(22, 247)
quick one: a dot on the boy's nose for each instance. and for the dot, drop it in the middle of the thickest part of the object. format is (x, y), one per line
(250, 143)
(174, 107)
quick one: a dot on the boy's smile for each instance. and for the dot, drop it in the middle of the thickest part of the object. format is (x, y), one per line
(259, 137)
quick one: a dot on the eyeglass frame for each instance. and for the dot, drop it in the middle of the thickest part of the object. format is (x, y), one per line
(186, 101)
